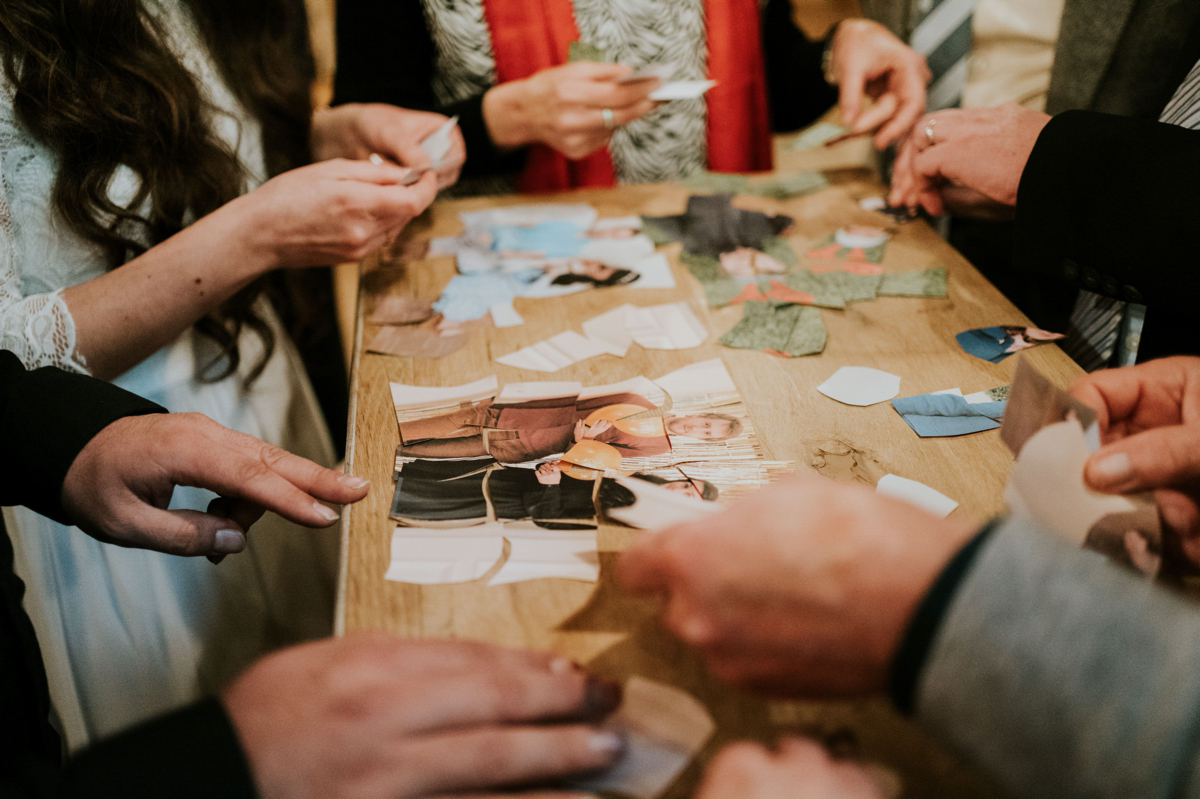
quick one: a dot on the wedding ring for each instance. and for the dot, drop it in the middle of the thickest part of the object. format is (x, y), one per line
(608, 118)
(929, 129)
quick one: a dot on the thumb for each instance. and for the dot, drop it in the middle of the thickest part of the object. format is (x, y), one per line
(183, 532)
(1157, 458)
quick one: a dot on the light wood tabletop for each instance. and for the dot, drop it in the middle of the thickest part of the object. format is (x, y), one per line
(612, 633)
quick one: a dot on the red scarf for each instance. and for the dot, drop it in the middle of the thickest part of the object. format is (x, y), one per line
(531, 35)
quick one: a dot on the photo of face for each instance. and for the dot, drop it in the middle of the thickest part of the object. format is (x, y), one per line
(1022, 338)
(685, 487)
(704, 427)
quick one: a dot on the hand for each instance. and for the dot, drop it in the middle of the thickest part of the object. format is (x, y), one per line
(1149, 418)
(119, 485)
(376, 718)
(799, 770)
(866, 59)
(549, 474)
(327, 213)
(598, 427)
(802, 589)
(984, 149)
(563, 107)
(356, 130)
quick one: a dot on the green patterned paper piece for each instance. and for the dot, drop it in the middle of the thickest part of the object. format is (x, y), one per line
(656, 234)
(919, 283)
(763, 326)
(704, 268)
(582, 51)
(808, 336)
(778, 248)
(715, 183)
(851, 287)
(824, 293)
(816, 135)
(999, 393)
(796, 185)
(721, 292)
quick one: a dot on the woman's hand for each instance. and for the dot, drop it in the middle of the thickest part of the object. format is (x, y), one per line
(867, 60)
(327, 213)
(800, 769)
(549, 473)
(356, 130)
(564, 107)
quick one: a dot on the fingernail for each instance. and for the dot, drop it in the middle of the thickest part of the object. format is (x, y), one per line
(1111, 469)
(229, 541)
(325, 512)
(606, 741)
(563, 666)
(352, 482)
(601, 697)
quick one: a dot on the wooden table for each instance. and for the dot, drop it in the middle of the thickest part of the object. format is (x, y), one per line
(614, 634)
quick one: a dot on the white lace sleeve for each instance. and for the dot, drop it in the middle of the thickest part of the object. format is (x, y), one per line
(38, 329)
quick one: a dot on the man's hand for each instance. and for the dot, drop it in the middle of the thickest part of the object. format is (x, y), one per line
(868, 61)
(802, 589)
(800, 769)
(356, 130)
(983, 150)
(374, 717)
(1149, 418)
(598, 427)
(120, 484)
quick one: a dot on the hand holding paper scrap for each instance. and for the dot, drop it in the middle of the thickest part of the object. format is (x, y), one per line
(1053, 436)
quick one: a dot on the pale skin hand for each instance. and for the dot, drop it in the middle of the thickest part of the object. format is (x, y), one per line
(1149, 418)
(802, 589)
(868, 61)
(356, 130)
(798, 769)
(119, 485)
(549, 474)
(563, 107)
(372, 717)
(983, 150)
(331, 212)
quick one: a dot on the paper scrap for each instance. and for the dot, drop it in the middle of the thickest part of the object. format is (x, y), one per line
(681, 90)
(996, 343)
(917, 494)
(437, 144)
(655, 507)
(862, 243)
(406, 397)
(527, 392)
(947, 414)
(1035, 402)
(567, 554)
(664, 728)
(784, 330)
(422, 341)
(609, 330)
(505, 315)
(434, 556)
(671, 326)
(392, 310)
(997, 394)
(918, 283)
(816, 135)
(785, 187)
(860, 385)
(556, 352)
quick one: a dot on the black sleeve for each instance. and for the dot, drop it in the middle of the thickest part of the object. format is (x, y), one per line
(46, 418)
(386, 55)
(796, 89)
(1109, 204)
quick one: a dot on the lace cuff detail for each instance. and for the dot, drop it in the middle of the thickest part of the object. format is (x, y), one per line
(41, 332)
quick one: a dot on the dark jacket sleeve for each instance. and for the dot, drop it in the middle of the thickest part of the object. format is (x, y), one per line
(386, 55)
(46, 418)
(1109, 204)
(796, 87)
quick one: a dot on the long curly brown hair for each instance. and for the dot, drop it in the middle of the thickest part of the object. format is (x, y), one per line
(96, 84)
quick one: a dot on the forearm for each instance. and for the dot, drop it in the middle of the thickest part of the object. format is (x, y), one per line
(126, 315)
(1065, 676)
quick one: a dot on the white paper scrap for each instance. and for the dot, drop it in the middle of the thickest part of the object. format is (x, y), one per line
(431, 557)
(698, 380)
(916, 493)
(609, 329)
(505, 315)
(556, 352)
(860, 385)
(524, 392)
(672, 326)
(655, 272)
(571, 555)
(415, 397)
(437, 144)
(681, 90)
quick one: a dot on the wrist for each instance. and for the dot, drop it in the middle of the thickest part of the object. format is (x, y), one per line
(504, 115)
(246, 227)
